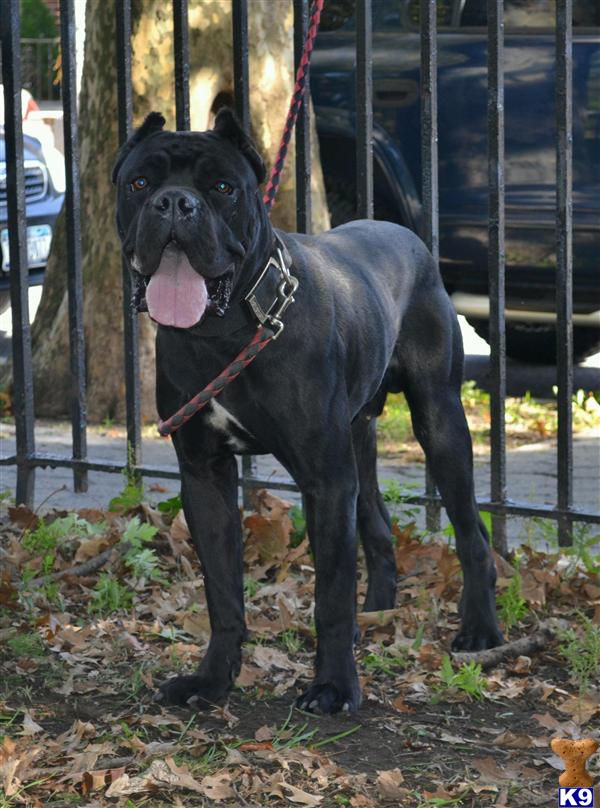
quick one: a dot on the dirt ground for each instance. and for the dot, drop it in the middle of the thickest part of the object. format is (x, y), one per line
(83, 651)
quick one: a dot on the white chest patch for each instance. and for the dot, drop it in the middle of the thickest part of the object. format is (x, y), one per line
(228, 425)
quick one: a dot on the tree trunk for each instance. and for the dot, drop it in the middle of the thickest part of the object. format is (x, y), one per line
(211, 85)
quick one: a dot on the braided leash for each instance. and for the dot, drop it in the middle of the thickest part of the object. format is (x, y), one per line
(259, 341)
(295, 104)
(263, 335)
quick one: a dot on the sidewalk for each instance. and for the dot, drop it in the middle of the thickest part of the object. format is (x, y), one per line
(531, 471)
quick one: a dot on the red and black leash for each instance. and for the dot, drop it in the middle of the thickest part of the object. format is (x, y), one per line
(295, 104)
(200, 400)
(263, 334)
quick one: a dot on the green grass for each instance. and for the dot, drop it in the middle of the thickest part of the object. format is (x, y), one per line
(513, 606)
(298, 526)
(290, 640)
(290, 736)
(527, 418)
(132, 494)
(397, 495)
(386, 661)
(141, 561)
(27, 645)
(583, 551)
(468, 679)
(170, 507)
(581, 648)
(129, 498)
(394, 425)
(251, 587)
(46, 539)
(109, 595)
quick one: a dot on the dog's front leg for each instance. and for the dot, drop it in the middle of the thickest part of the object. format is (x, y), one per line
(331, 523)
(209, 496)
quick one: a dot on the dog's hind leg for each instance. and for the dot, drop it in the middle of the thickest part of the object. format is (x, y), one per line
(373, 520)
(431, 360)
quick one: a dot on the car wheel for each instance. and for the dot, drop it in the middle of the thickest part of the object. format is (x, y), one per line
(341, 201)
(535, 343)
(4, 301)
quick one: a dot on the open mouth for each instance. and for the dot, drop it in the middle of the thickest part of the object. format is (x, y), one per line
(176, 295)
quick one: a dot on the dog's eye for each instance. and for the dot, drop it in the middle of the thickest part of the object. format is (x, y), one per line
(223, 187)
(139, 184)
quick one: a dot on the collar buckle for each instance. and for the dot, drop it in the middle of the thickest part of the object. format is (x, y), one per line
(285, 292)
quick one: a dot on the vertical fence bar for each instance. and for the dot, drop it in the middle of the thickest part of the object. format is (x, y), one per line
(303, 168)
(19, 273)
(48, 71)
(37, 82)
(496, 265)
(564, 262)
(303, 152)
(364, 110)
(73, 228)
(429, 173)
(181, 46)
(130, 323)
(239, 13)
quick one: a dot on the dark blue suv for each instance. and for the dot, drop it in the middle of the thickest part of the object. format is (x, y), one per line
(530, 152)
(43, 201)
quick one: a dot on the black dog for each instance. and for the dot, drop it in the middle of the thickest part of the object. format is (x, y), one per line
(370, 316)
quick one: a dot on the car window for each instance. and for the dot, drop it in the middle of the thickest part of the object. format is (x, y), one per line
(403, 15)
(530, 13)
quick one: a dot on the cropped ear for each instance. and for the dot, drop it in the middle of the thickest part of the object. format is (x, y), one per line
(154, 122)
(228, 126)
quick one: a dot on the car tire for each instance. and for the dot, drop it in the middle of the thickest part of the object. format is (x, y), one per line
(535, 343)
(4, 301)
(341, 197)
(340, 201)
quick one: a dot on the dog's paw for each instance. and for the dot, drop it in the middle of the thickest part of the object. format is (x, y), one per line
(192, 691)
(477, 639)
(328, 698)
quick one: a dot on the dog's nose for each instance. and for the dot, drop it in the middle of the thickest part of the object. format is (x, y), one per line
(175, 200)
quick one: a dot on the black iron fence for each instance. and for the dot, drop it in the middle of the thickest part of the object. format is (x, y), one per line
(39, 68)
(27, 458)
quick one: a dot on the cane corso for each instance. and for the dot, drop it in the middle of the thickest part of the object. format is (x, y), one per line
(369, 315)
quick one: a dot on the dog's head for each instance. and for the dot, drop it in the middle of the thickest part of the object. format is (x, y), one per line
(189, 214)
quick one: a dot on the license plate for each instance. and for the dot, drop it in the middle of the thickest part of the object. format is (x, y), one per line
(39, 238)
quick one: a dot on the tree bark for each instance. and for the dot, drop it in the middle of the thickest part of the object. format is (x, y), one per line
(211, 84)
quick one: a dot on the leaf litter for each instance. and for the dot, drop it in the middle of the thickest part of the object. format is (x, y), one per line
(98, 607)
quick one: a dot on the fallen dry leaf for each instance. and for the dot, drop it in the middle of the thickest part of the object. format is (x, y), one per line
(217, 787)
(581, 709)
(388, 784)
(508, 740)
(381, 618)
(98, 780)
(161, 775)
(23, 517)
(297, 795)
(29, 726)
(265, 733)
(549, 722)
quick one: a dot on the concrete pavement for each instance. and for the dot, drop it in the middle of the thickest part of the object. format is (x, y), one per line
(531, 469)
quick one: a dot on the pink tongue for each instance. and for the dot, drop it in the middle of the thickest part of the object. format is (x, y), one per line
(176, 294)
